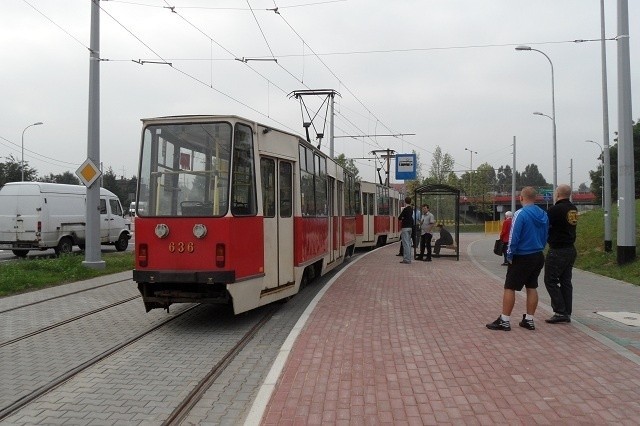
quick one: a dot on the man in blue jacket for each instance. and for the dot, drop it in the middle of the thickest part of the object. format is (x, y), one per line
(527, 239)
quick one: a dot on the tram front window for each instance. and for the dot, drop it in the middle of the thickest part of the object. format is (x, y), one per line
(184, 169)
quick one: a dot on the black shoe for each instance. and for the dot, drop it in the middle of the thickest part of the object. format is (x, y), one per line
(499, 324)
(558, 318)
(528, 324)
(418, 257)
(399, 254)
(428, 259)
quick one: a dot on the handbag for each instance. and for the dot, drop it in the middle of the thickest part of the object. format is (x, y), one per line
(497, 247)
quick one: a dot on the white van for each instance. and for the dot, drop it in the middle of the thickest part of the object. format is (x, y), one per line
(40, 216)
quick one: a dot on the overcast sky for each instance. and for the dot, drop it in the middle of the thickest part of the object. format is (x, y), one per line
(446, 71)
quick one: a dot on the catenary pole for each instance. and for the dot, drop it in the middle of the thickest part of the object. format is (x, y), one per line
(626, 240)
(92, 243)
(606, 160)
(513, 178)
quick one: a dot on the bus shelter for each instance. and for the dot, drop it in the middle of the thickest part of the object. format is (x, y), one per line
(444, 204)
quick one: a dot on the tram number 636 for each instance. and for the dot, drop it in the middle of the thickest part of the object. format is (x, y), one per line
(180, 247)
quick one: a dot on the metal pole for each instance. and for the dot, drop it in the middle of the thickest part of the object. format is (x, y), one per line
(626, 185)
(553, 113)
(606, 159)
(22, 160)
(332, 128)
(513, 179)
(571, 179)
(92, 243)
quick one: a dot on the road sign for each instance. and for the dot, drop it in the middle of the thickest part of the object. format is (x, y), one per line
(88, 173)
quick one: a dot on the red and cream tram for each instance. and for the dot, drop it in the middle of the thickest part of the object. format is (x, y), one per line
(377, 211)
(235, 212)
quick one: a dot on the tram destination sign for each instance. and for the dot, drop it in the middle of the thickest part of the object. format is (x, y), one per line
(405, 166)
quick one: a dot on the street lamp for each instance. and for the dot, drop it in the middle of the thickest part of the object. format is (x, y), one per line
(602, 189)
(553, 108)
(22, 161)
(471, 152)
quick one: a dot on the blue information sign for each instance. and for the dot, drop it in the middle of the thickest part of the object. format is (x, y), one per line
(405, 166)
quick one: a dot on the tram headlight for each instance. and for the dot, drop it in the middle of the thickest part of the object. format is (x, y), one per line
(162, 230)
(199, 230)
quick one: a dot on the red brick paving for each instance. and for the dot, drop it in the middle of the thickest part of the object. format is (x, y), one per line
(406, 344)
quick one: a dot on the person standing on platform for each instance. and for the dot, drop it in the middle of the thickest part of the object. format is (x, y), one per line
(504, 235)
(406, 218)
(558, 266)
(426, 224)
(444, 240)
(529, 232)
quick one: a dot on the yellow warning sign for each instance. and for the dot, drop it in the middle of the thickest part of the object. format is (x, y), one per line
(88, 173)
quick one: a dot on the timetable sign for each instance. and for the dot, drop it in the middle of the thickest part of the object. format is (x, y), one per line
(405, 166)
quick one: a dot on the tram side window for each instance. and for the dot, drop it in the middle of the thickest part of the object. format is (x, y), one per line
(371, 204)
(268, 172)
(358, 199)
(286, 189)
(383, 201)
(321, 186)
(243, 194)
(307, 197)
(349, 195)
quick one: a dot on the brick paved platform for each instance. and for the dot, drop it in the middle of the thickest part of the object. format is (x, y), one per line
(389, 343)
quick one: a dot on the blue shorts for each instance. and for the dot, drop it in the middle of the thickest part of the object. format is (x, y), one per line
(523, 271)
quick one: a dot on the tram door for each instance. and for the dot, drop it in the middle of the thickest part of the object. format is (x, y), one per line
(277, 203)
(331, 189)
(338, 242)
(368, 215)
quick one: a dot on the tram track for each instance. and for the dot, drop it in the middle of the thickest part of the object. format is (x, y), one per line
(186, 405)
(65, 322)
(68, 375)
(49, 299)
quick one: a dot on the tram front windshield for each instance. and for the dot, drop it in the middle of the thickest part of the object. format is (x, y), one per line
(184, 169)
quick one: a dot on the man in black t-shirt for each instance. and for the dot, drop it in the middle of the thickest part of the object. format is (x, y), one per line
(558, 266)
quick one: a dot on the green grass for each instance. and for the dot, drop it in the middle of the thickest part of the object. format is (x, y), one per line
(33, 274)
(590, 246)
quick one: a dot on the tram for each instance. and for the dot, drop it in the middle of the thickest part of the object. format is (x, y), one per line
(235, 212)
(377, 211)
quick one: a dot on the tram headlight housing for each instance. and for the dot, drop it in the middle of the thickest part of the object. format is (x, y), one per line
(162, 230)
(199, 230)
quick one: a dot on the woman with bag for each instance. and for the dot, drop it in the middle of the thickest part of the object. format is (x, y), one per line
(504, 234)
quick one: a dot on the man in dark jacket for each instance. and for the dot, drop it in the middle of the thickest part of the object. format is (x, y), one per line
(406, 217)
(558, 266)
(445, 239)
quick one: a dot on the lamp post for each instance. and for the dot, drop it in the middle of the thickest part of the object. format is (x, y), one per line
(553, 113)
(22, 161)
(471, 152)
(602, 189)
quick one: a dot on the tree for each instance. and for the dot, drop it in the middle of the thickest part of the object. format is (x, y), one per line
(504, 178)
(10, 171)
(441, 167)
(532, 177)
(347, 164)
(110, 182)
(66, 177)
(596, 175)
